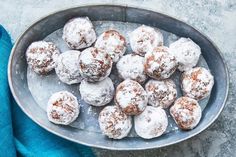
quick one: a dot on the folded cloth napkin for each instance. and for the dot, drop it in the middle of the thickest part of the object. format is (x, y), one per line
(19, 135)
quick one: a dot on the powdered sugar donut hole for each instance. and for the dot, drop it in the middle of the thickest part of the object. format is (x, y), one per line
(160, 63)
(79, 33)
(98, 93)
(151, 123)
(131, 97)
(67, 67)
(114, 123)
(161, 93)
(113, 43)
(94, 64)
(145, 39)
(63, 108)
(186, 52)
(41, 56)
(197, 83)
(131, 66)
(186, 113)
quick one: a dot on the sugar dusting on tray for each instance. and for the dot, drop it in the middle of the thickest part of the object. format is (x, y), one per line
(42, 87)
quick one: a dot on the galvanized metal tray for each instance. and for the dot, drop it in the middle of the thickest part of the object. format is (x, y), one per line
(32, 91)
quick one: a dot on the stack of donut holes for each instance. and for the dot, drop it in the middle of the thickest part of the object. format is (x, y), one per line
(146, 93)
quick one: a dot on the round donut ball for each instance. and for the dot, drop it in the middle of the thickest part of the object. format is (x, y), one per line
(186, 112)
(94, 64)
(160, 63)
(98, 93)
(113, 43)
(145, 39)
(131, 97)
(41, 56)
(63, 108)
(67, 67)
(161, 93)
(186, 52)
(79, 33)
(197, 83)
(131, 66)
(114, 123)
(151, 123)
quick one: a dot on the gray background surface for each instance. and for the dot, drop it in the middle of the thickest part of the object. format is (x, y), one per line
(215, 18)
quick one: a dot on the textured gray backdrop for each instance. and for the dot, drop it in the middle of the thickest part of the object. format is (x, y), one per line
(215, 18)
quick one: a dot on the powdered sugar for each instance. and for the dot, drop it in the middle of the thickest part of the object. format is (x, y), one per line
(114, 123)
(186, 52)
(131, 97)
(159, 63)
(63, 108)
(113, 43)
(98, 93)
(197, 83)
(161, 93)
(131, 66)
(67, 67)
(41, 87)
(144, 39)
(41, 56)
(186, 112)
(151, 123)
(79, 33)
(94, 64)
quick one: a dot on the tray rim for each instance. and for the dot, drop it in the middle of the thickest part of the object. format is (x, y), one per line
(124, 6)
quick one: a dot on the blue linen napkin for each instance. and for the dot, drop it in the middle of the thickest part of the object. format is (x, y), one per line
(19, 135)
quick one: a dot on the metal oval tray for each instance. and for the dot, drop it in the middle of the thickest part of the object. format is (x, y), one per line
(28, 88)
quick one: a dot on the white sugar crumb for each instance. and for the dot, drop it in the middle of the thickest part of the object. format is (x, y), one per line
(186, 52)
(99, 93)
(89, 110)
(176, 128)
(82, 125)
(92, 111)
(131, 66)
